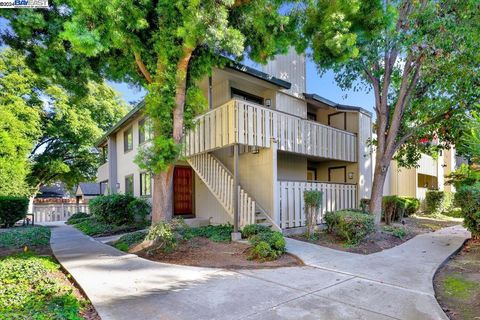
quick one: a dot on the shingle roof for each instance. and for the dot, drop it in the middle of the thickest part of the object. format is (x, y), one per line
(89, 188)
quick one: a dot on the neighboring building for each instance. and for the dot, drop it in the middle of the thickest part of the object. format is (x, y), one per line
(287, 142)
(54, 193)
(89, 190)
(429, 173)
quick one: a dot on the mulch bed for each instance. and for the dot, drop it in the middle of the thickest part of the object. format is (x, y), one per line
(202, 252)
(380, 239)
(89, 312)
(457, 283)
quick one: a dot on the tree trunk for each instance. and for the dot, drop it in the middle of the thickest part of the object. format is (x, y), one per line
(162, 200)
(162, 206)
(379, 177)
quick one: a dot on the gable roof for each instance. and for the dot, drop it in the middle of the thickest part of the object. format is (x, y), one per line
(313, 97)
(230, 64)
(89, 188)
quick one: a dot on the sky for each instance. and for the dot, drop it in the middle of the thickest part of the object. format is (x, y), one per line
(324, 86)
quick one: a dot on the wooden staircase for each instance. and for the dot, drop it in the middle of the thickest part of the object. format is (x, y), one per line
(219, 180)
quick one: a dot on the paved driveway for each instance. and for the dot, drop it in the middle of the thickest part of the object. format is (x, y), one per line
(394, 284)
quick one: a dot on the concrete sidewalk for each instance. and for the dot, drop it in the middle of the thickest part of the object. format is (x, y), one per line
(333, 285)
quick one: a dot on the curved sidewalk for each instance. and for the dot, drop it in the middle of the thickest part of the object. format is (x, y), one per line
(394, 284)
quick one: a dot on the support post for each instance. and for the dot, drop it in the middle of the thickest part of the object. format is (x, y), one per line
(210, 95)
(236, 234)
(112, 164)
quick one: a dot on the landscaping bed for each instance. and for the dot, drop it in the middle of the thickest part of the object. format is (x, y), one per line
(32, 283)
(208, 246)
(203, 252)
(383, 237)
(457, 283)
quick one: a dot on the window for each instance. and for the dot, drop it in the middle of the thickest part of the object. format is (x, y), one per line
(145, 184)
(311, 116)
(129, 184)
(242, 95)
(311, 174)
(103, 154)
(145, 130)
(128, 139)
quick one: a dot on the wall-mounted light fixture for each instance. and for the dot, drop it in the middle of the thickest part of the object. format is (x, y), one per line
(268, 103)
(350, 175)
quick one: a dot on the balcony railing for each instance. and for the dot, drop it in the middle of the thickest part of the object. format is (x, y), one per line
(253, 125)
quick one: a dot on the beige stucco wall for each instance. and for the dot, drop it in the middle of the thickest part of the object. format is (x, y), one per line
(291, 166)
(102, 173)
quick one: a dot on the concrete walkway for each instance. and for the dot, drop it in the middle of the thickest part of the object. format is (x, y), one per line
(394, 284)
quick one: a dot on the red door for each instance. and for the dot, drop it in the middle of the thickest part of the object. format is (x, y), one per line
(183, 191)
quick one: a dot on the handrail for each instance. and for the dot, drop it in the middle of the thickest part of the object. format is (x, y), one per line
(259, 207)
(317, 181)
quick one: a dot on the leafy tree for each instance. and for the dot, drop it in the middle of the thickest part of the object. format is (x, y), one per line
(20, 109)
(47, 134)
(420, 58)
(70, 127)
(164, 46)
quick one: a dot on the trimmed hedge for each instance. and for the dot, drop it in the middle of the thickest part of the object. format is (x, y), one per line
(119, 209)
(12, 209)
(468, 199)
(350, 225)
(438, 202)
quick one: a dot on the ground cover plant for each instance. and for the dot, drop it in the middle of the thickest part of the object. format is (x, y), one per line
(25, 236)
(267, 245)
(93, 227)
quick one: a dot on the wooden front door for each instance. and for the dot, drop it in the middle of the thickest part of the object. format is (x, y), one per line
(183, 191)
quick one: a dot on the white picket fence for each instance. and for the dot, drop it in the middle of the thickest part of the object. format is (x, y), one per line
(336, 196)
(253, 125)
(56, 212)
(219, 180)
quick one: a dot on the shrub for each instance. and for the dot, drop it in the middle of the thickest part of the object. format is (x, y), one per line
(393, 208)
(313, 202)
(269, 245)
(163, 236)
(28, 236)
(468, 199)
(77, 221)
(365, 205)
(411, 205)
(139, 208)
(79, 216)
(253, 229)
(12, 209)
(122, 246)
(351, 226)
(438, 202)
(92, 227)
(219, 233)
(119, 209)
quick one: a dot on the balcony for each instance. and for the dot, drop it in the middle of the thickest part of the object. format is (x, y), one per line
(102, 172)
(253, 125)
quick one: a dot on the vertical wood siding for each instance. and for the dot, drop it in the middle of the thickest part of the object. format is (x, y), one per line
(292, 207)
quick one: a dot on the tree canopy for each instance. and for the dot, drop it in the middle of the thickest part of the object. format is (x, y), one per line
(48, 133)
(164, 46)
(420, 58)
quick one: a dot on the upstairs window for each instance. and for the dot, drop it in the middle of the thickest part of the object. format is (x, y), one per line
(128, 139)
(145, 130)
(242, 95)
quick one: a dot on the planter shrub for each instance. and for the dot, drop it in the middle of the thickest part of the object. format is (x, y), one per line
(77, 217)
(468, 199)
(269, 245)
(350, 225)
(313, 202)
(119, 209)
(253, 229)
(411, 206)
(12, 209)
(365, 204)
(438, 202)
